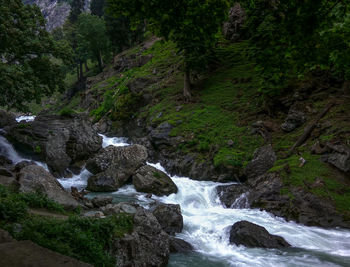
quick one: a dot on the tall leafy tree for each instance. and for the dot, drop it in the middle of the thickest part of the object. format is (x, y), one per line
(97, 7)
(77, 7)
(92, 37)
(29, 68)
(292, 37)
(191, 24)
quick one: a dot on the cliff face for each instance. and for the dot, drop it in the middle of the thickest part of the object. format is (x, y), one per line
(54, 11)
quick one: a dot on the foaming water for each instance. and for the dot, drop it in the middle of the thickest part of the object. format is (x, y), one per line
(25, 118)
(79, 181)
(113, 141)
(207, 224)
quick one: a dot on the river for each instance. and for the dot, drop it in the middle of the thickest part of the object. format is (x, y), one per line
(207, 222)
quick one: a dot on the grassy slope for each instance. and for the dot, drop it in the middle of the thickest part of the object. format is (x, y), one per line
(226, 104)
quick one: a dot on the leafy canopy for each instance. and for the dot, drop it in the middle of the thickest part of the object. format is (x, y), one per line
(29, 65)
(191, 24)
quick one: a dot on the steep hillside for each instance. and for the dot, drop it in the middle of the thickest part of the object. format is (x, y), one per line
(214, 137)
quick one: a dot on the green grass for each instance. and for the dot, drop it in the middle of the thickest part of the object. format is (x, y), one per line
(333, 190)
(86, 239)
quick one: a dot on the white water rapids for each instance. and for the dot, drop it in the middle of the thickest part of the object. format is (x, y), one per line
(207, 222)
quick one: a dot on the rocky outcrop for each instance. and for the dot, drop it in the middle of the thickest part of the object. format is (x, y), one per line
(60, 141)
(296, 117)
(229, 194)
(6, 118)
(264, 158)
(26, 253)
(101, 201)
(254, 236)
(34, 178)
(148, 179)
(339, 156)
(232, 28)
(178, 245)
(298, 205)
(147, 245)
(126, 62)
(113, 167)
(169, 217)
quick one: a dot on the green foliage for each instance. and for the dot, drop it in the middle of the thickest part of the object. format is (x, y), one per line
(191, 24)
(67, 112)
(291, 38)
(97, 7)
(92, 37)
(28, 69)
(37, 149)
(83, 238)
(77, 7)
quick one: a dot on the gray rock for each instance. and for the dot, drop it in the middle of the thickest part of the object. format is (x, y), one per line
(296, 117)
(35, 178)
(251, 235)
(122, 207)
(101, 201)
(147, 245)
(169, 217)
(233, 26)
(148, 179)
(113, 167)
(228, 194)
(6, 118)
(178, 245)
(94, 214)
(60, 141)
(161, 134)
(340, 156)
(139, 84)
(263, 160)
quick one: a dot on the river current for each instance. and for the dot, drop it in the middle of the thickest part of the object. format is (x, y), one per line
(207, 224)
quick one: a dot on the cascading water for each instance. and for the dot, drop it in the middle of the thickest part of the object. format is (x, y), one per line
(207, 222)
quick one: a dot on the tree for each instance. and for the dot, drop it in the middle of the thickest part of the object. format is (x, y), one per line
(92, 37)
(30, 60)
(292, 37)
(97, 7)
(77, 7)
(191, 24)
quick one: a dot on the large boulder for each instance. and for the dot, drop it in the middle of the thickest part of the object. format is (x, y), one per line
(340, 156)
(147, 245)
(59, 140)
(297, 205)
(148, 179)
(295, 118)
(251, 235)
(26, 253)
(34, 178)
(178, 245)
(161, 135)
(6, 118)
(113, 167)
(169, 217)
(230, 195)
(264, 158)
(233, 26)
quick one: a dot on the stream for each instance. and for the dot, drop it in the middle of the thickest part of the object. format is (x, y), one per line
(207, 223)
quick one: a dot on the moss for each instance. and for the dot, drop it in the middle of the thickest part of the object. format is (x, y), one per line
(67, 112)
(333, 189)
(37, 149)
(157, 175)
(86, 239)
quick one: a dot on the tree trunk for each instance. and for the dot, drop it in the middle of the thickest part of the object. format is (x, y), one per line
(187, 86)
(86, 66)
(81, 71)
(78, 76)
(346, 88)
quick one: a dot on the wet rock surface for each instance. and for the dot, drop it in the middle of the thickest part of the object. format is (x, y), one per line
(147, 245)
(114, 166)
(169, 217)
(60, 141)
(251, 235)
(178, 245)
(148, 179)
(34, 178)
(228, 194)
